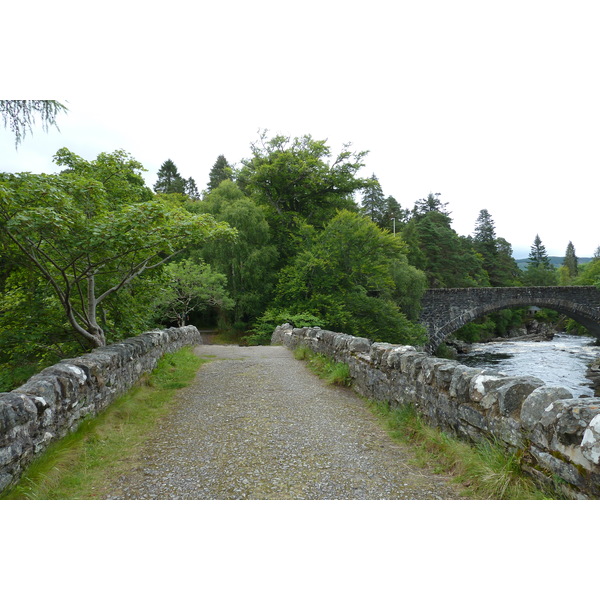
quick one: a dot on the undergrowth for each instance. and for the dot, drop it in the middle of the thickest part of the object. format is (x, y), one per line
(105, 446)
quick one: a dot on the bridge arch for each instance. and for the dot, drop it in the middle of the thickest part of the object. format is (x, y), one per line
(446, 310)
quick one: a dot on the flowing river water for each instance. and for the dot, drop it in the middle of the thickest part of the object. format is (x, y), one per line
(562, 361)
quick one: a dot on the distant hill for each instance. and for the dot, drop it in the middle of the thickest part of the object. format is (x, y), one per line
(557, 261)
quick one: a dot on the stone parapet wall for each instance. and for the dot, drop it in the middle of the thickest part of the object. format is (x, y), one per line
(54, 402)
(557, 434)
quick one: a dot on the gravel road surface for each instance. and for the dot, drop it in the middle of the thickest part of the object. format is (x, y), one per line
(257, 424)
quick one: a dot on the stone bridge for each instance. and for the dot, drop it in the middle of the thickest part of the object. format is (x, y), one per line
(446, 310)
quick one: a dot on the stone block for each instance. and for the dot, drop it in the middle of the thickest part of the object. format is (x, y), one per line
(461, 382)
(511, 394)
(590, 444)
(535, 405)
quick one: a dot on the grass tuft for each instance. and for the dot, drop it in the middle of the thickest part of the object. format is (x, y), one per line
(332, 372)
(487, 470)
(103, 447)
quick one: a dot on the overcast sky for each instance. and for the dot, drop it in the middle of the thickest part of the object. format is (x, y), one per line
(494, 105)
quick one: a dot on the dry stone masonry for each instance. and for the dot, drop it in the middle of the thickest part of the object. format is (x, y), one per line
(54, 402)
(559, 435)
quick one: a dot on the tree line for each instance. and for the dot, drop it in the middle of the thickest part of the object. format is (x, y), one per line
(91, 255)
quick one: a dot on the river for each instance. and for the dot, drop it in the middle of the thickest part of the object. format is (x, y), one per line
(562, 361)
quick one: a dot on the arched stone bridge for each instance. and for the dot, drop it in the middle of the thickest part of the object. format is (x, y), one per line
(446, 310)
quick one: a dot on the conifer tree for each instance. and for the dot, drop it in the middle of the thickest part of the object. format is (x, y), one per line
(540, 270)
(169, 180)
(571, 261)
(538, 257)
(191, 189)
(373, 202)
(220, 171)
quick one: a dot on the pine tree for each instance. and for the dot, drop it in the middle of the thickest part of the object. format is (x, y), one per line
(191, 189)
(540, 270)
(538, 257)
(220, 171)
(394, 214)
(571, 260)
(373, 202)
(430, 204)
(169, 180)
(486, 244)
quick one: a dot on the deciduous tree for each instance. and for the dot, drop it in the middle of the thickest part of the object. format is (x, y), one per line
(190, 286)
(300, 182)
(351, 278)
(92, 229)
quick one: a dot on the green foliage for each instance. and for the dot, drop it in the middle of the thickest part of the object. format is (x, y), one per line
(571, 261)
(264, 326)
(91, 230)
(497, 324)
(384, 212)
(350, 277)
(298, 182)
(539, 271)
(221, 171)
(447, 259)
(249, 262)
(496, 253)
(189, 286)
(589, 274)
(169, 180)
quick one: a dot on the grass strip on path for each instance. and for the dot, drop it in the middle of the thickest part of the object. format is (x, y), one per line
(78, 466)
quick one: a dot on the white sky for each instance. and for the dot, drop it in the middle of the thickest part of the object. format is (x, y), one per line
(493, 104)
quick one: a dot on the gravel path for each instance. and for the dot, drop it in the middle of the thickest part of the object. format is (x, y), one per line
(257, 424)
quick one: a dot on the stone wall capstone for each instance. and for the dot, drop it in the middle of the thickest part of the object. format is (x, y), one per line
(54, 401)
(557, 434)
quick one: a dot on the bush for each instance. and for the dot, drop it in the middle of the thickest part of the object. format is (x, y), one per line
(261, 332)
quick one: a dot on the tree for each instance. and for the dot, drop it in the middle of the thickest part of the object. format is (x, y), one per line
(496, 253)
(249, 262)
(351, 277)
(570, 261)
(447, 259)
(538, 257)
(300, 182)
(91, 230)
(191, 189)
(394, 215)
(373, 203)
(539, 271)
(190, 286)
(169, 180)
(430, 204)
(20, 115)
(220, 171)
